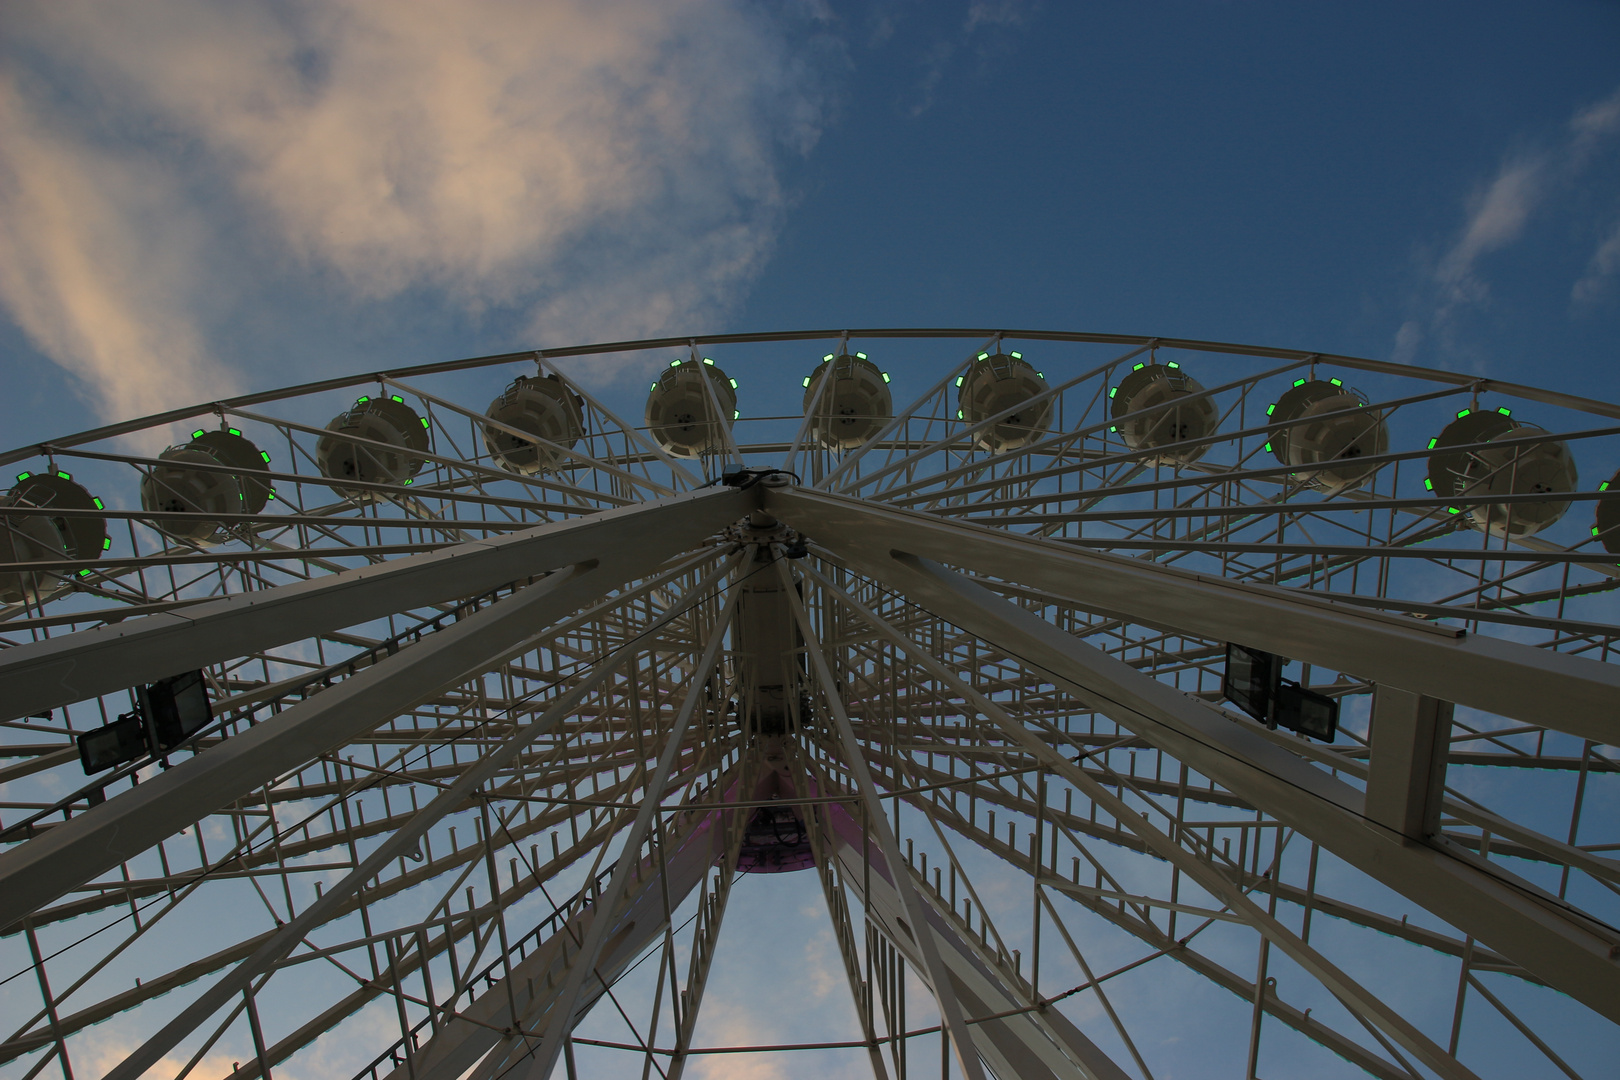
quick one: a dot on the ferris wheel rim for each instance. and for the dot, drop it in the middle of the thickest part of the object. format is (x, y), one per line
(188, 412)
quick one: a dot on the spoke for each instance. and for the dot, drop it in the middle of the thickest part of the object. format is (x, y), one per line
(560, 1020)
(1331, 977)
(950, 1009)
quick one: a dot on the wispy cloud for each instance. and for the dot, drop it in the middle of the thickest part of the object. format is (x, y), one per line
(983, 17)
(1589, 128)
(1601, 270)
(1498, 215)
(89, 273)
(1496, 219)
(583, 169)
(1591, 125)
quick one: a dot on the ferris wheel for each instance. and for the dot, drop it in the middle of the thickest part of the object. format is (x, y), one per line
(1105, 683)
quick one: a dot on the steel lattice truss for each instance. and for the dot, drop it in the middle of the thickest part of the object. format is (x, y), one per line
(492, 747)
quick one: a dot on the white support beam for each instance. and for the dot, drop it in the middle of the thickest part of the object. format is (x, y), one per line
(42, 869)
(1406, 774)
(1537, 686)
(542, 1058)
(929, 962)
(832, 891)
(1354, 996)
(475, 1033)
(58, 671)
(1538, 931)
(395, 846)
(727, 833)
(1021, 1043)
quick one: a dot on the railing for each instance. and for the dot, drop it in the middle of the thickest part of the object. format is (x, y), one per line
(395, 1056)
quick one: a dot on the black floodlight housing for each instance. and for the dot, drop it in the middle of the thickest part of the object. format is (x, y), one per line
(1251, 681)
(1254, 683)
(175, 708)
(1307, 712)
(113, 744)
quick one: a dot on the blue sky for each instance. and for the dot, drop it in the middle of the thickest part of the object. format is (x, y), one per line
(197, 200)
(1249, 172)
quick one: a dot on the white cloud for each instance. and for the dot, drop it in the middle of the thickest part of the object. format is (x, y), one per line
(983, 17)
(90, 276)
(340, 1052)
(588, 169)
(1601, 269)
(1497, 217)
(1592, 124)
(822, 970)
(102, 1054)
(1407, 340)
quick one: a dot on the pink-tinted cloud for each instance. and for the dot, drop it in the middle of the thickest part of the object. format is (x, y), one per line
(598, 169)
(103, 1053)
(91, 275)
